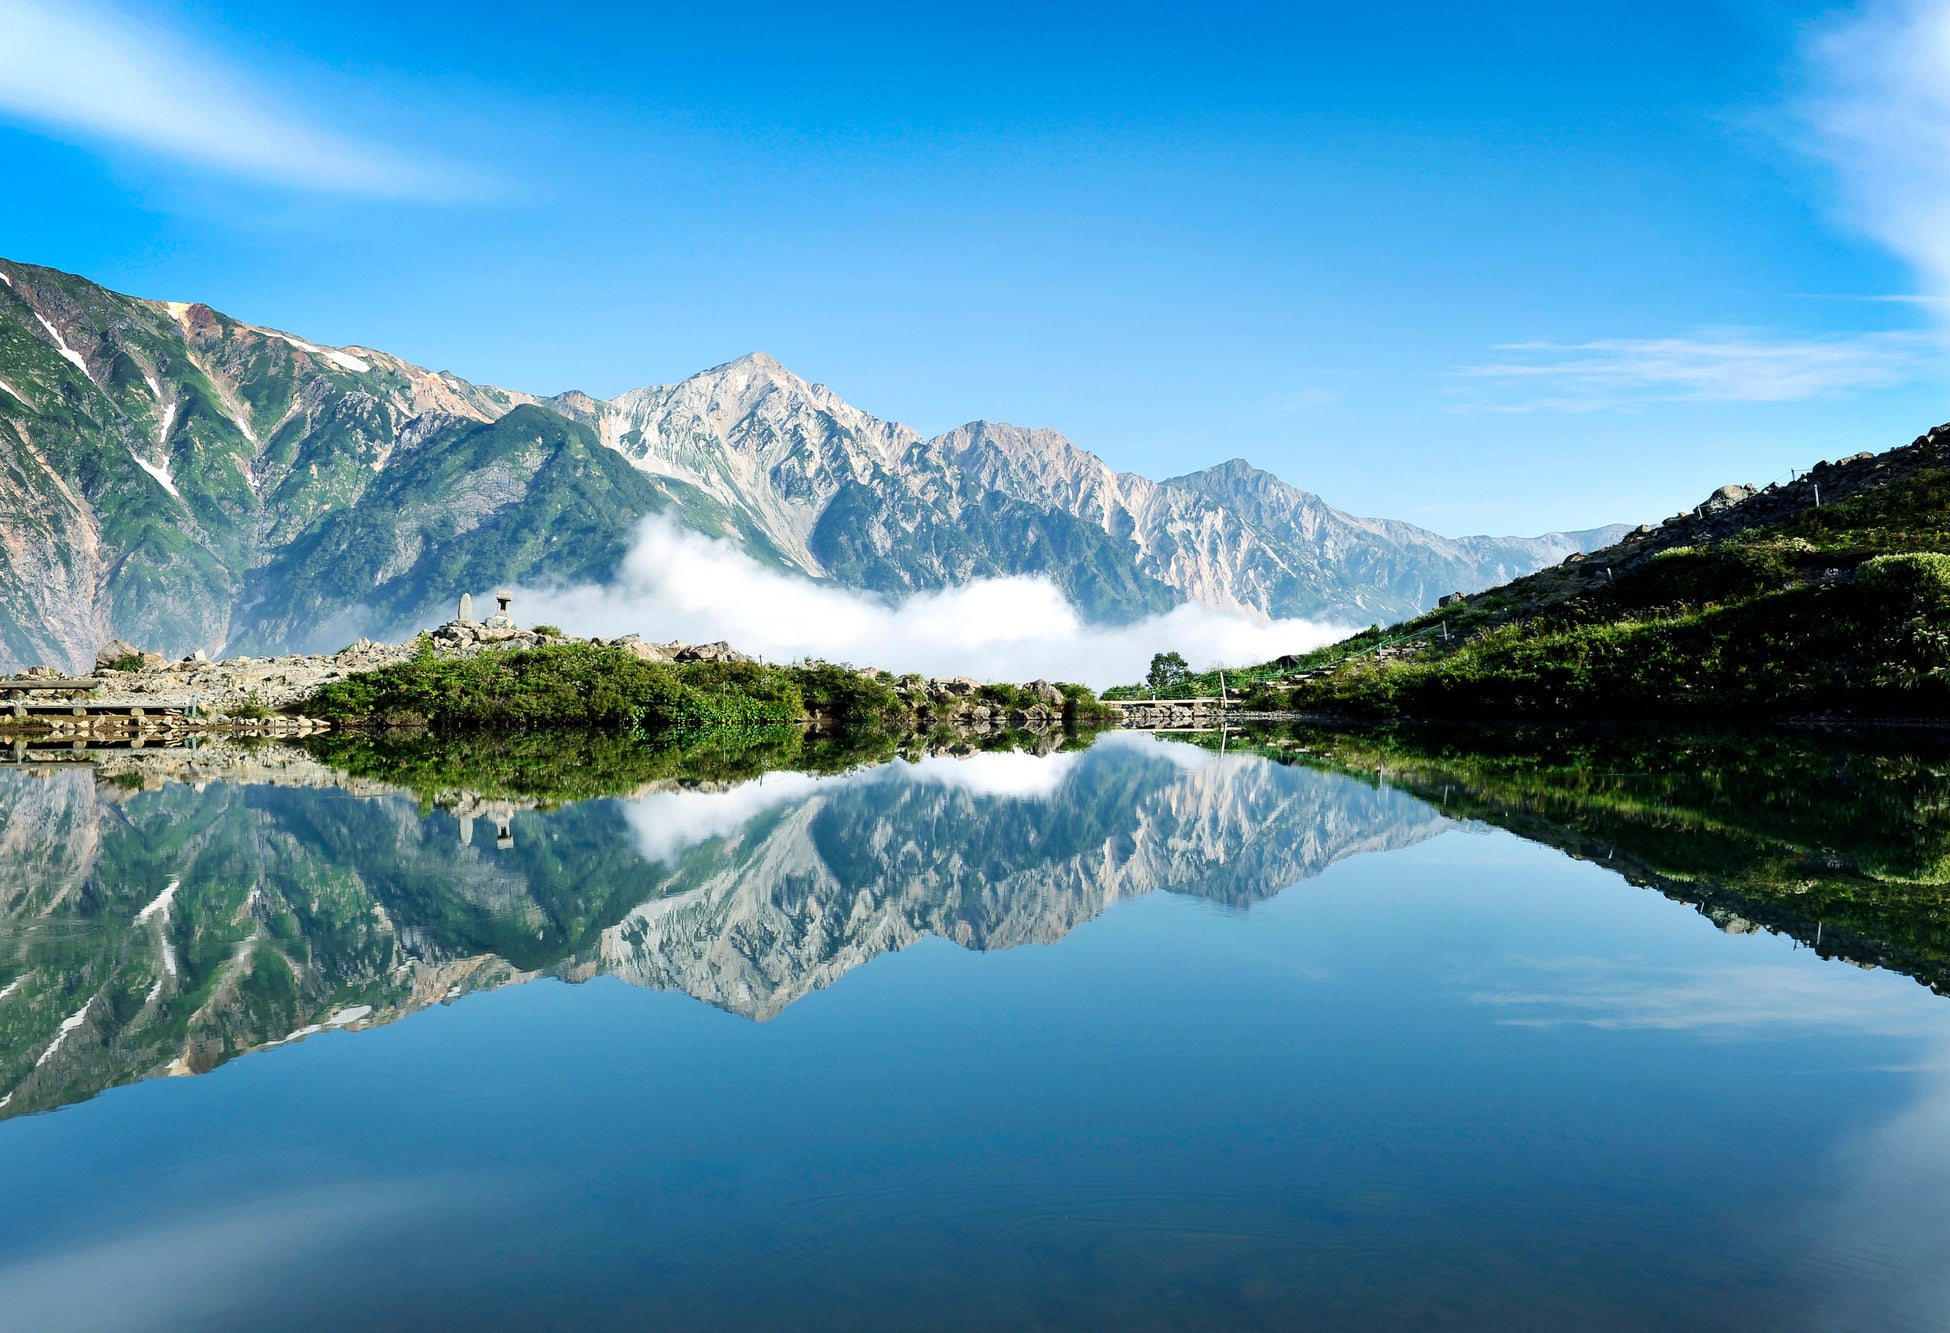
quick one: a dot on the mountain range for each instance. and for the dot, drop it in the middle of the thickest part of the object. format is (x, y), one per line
(180, 479)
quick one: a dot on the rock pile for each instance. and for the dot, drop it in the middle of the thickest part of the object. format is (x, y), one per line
(237, 682)
(675, 651)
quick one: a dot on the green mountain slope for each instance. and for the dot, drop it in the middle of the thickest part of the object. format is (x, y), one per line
(528, 497)
(1830, 595)
(152, 454)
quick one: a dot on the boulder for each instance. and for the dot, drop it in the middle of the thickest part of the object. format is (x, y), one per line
(114, 651)
(710, 652)
(636, 647)
(1727, 497)
(1047, 692)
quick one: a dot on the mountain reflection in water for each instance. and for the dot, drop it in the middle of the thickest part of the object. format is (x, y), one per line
(168, 911)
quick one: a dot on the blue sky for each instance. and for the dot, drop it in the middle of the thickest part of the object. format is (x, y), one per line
(1492, 267)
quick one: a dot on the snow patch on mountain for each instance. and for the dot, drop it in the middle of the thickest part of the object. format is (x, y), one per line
(343, 360)
(61, 346)
(160, 471)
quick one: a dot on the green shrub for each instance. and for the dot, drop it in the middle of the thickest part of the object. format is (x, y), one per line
(844, 694)
(1692, 576)
(252, 707)
(126, 662)
(1918, 579)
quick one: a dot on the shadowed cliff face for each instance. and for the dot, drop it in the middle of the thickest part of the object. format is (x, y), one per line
(164, 931)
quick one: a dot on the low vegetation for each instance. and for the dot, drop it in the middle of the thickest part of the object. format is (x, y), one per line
(584, 685)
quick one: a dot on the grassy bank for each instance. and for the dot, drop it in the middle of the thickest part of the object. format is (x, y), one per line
(1838, 609)
(1727, 632)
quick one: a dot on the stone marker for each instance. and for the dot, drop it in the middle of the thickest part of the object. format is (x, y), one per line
(466, 615)
(501, 619)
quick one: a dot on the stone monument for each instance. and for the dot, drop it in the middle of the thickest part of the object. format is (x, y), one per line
(501, 619)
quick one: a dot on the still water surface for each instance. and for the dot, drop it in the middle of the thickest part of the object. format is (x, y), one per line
(1141, 1035)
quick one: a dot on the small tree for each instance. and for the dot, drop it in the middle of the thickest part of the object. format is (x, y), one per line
(1168, 672)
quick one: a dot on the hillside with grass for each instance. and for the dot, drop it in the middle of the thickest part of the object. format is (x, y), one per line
(1829, 595)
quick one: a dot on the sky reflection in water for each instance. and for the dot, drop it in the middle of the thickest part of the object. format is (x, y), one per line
(1141, 1035)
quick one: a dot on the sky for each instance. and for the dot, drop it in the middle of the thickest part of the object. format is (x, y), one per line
(1495, 267)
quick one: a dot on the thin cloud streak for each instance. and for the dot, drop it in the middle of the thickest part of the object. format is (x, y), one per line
(675, 583)
(1722, 367)
(88, 73)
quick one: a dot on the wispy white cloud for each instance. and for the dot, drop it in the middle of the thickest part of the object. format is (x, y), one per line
(676, 584)
(1727, 366)
(1880, 115)
(1723, 998)
(87, 72)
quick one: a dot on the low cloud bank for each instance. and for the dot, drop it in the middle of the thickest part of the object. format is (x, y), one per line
(678, 584)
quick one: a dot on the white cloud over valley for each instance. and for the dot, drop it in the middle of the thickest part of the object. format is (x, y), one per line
(678, 584)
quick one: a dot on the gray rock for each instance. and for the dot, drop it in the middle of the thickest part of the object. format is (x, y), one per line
(710, 652)
(114, 651)
(1727, 497)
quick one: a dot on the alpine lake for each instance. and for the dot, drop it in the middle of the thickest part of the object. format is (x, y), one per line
(1281, 1028)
